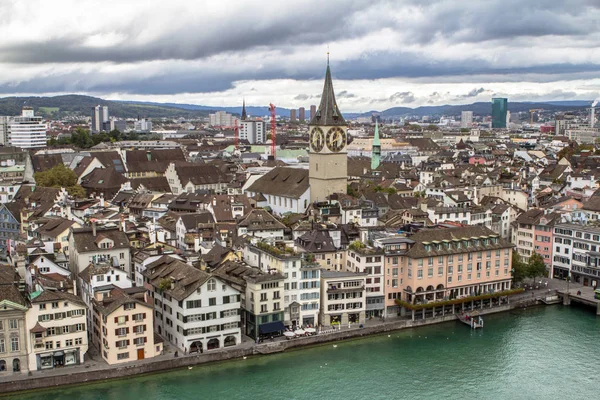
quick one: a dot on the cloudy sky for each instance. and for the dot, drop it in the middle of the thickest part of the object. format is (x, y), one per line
(383, 53)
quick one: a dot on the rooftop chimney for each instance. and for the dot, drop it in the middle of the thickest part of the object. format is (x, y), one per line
(94, 227)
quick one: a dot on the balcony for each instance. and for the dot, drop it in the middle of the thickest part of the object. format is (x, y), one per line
(342, 289)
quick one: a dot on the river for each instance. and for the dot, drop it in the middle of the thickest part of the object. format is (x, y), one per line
(539, 353)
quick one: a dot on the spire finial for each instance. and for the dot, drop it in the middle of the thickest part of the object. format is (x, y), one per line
(328, 55)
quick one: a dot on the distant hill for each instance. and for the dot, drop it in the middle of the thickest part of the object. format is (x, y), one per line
(481, 108)
(58, 106)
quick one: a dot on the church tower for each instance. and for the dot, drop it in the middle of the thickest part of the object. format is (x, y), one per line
(328, 171)
(376, 151)
(244, 115)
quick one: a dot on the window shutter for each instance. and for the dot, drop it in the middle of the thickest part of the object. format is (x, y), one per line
(126, 318)
(127, 330)
(144, 315)
(117, 332)
(116, 320)
(127, 342)
(145, 339)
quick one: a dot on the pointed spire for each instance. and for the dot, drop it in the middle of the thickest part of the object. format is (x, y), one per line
(328, 113)
(244, 115)
(376, 141)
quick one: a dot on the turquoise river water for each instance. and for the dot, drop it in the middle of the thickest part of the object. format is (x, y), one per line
(539, 353)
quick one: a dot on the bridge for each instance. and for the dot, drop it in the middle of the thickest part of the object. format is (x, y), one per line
(582, 295)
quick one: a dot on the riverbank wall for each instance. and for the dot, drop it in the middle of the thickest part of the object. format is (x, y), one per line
(163, 365)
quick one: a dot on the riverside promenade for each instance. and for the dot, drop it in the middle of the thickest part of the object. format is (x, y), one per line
(95, 370)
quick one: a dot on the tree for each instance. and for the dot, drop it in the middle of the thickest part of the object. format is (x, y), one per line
(519, 268)
(60, 177)
(432, 127)
(536, 266)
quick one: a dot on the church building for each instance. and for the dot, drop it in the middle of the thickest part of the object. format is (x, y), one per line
(328, 171)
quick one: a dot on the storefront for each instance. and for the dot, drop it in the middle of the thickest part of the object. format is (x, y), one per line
(58, 359)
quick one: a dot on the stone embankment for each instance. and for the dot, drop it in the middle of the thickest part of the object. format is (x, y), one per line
(82, 376)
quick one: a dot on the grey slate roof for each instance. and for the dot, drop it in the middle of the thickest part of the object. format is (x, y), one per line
(328, 113)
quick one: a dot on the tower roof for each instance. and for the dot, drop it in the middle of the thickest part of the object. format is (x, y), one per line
(376, 141)
(244, 115)
(328, 113)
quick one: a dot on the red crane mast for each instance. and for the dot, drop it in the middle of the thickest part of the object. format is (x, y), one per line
(273, 130)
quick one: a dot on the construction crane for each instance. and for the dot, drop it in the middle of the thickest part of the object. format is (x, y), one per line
(273, 130)
(531, 114)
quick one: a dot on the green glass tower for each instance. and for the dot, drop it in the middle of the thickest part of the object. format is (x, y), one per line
(499, 112)
(376, 152)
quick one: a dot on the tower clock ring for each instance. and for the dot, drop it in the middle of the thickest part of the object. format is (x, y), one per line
(336, 139)
(317, 140)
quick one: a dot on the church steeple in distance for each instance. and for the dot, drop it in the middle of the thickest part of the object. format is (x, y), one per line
(244, 115)
(376, 151)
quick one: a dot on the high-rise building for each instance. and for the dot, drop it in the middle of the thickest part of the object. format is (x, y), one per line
(328, 158)
(376, 152)
(302, 114)
(99, 117)
(143, 125)
(499, 112)
(27, 131)
(118, 124)
(466, 119)
(222, 118)
(292, 115)
(252, 130)
(313, 111)
(4, 130)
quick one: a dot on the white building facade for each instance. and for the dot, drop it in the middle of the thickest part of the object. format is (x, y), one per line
(27, 131)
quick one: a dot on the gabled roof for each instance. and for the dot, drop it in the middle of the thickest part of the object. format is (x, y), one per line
(155, 184)
(282, 181)
(55, 226)
(44, 162)
(185, 278)
(316, 241)
(85, 241)
(259, 219)
(194, 220)
(200, 174)
(103, 179)
(52, 296)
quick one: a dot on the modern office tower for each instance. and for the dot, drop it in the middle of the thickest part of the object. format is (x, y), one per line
(4, 130)
(499, 112)
(222, 118)
(313, 111)
(292, 115)
(301, 114)
(27, 131)
(466, 119)
(252, 130)
(99, 117)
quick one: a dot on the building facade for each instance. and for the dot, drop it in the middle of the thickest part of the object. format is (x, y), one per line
(27, 131)
(57, 329)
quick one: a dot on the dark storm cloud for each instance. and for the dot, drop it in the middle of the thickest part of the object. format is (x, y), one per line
(344, 94)
(249, 34)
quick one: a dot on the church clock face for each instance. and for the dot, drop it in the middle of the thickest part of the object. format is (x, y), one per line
(317, 140)
(336, 139)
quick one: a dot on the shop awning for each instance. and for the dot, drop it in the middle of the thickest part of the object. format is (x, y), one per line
(59, 354)
(271, 327)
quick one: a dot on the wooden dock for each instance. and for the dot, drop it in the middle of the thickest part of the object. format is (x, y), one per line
(474, 321)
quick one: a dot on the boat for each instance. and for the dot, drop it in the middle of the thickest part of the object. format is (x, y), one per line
(474, 321)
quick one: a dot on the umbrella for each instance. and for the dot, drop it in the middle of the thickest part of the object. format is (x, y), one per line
(289, 334)
(310, 330)
(299, 332)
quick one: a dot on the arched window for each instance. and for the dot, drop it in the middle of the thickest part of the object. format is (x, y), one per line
(2, 366)
(212, 344)
(229, 341)
(16, 365)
